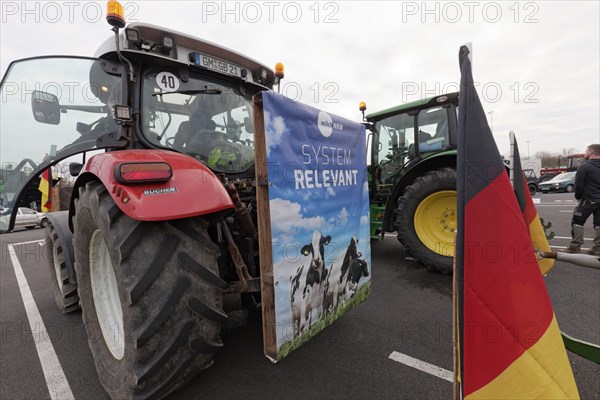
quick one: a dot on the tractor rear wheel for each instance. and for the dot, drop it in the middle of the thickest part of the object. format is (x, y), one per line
(426, 219)
(150, 295)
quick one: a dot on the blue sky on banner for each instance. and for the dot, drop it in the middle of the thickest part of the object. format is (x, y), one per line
(301, 158)
(295, 143)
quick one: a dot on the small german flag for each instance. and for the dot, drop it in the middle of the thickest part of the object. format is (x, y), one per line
(532, 220)
(45, 187)
(509, 343)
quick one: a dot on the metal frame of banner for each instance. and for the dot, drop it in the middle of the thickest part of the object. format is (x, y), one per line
(264, 232)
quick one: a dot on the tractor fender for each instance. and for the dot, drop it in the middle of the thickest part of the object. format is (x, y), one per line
(440, 160)
(193, 189)
(60, 222)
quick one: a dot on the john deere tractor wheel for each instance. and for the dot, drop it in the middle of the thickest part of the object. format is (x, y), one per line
(426, 219)
(65, 291)
(150, 296)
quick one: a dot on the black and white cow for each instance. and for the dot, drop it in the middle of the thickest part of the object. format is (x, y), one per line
(336, 289)
(296, 300)
(352, 254)
(315, 275)
(358, 269)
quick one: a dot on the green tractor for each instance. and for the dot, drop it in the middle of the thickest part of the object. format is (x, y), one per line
(412, 177)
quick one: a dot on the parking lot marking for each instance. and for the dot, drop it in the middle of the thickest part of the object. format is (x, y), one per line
(555, 205)
(32, 241)
(422, 366)
(536, 200)
(567, 237)
(56, 381)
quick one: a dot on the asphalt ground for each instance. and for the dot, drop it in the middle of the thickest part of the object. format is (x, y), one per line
(409, 312)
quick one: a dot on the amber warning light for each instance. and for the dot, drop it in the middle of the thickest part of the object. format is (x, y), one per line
(279, 70)
(143, 172)
(362, 107)
(115, 15)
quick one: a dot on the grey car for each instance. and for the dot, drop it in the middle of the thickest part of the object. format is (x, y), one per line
(560, 183)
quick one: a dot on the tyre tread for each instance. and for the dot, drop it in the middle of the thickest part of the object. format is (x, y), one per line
(405, 227)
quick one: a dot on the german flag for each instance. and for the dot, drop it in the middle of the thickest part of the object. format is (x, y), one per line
(532, 220)
(46, 188)
(509, 342)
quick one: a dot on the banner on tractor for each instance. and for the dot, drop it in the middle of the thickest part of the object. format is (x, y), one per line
(313, 209)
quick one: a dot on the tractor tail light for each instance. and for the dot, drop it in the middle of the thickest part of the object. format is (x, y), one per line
(143, 172)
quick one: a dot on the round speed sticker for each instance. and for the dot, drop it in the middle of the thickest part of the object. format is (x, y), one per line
(167, 81)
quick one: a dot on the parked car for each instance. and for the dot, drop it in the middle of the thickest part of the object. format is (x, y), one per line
(560, 183)
(26, 218)
(42, 219)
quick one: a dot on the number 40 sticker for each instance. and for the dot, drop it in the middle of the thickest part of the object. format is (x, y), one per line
(167, 81)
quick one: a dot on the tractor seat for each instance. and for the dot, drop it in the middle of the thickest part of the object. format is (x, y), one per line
(185, 133)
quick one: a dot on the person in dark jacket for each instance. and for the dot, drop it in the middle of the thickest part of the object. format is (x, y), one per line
(587, 191)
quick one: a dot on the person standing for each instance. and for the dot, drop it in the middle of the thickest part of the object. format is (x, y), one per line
(587, 191)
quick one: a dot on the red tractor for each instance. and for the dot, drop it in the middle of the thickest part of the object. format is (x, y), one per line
(161, 225)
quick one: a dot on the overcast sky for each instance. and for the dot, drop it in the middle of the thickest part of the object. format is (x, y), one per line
(537, 63)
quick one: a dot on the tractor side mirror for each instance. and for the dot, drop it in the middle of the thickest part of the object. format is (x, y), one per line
(45, 107)
(75, 168)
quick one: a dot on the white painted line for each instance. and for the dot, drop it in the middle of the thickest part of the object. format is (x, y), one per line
(556, 205)
(422, 366)
(566, 211)
(569, 238)
(57, 383)
(32, 241)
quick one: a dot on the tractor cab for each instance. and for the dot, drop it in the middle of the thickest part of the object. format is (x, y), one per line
(156, 89)
(405, 135)
(412, 179)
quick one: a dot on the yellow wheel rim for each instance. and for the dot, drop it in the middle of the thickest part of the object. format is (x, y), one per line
(435, 222)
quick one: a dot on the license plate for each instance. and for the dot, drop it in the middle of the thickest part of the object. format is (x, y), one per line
(221, 66)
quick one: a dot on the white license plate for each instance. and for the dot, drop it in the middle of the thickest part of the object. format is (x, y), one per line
(220, 66)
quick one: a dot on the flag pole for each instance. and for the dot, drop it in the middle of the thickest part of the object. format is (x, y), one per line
(511, 134)
(455, 329)
(579, 259)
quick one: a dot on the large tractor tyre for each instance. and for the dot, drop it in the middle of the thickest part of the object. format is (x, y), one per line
(150, 294)
(65, 291)
(426, 219)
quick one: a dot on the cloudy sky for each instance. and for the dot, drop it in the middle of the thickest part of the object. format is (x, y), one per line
(537, 63)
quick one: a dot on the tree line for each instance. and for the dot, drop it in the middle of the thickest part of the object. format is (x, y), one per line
(551, 159)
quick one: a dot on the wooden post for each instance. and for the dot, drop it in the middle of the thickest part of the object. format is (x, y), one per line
(264, 231)
(455, 329)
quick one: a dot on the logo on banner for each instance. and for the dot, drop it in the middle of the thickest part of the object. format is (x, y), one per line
(326, 124)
